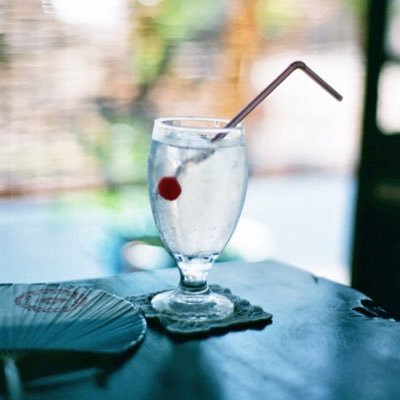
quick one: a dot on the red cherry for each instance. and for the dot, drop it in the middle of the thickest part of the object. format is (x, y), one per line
(169, 188)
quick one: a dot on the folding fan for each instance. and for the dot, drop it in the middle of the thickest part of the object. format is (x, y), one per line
(59, 317)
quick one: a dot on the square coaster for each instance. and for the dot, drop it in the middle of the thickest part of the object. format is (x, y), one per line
(245, 315)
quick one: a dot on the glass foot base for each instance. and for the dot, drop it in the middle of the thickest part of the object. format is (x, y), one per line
(178, 305)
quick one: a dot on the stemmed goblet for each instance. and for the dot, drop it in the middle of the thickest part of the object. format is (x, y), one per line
(197, 174)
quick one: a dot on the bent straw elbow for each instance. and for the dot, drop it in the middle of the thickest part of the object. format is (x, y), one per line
(297, 64)
(272, 86)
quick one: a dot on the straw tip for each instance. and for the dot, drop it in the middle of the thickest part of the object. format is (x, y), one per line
(338, 96)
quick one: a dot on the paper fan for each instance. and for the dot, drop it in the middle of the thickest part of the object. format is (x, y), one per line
(59, 317)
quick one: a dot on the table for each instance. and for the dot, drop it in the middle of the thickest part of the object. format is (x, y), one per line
(318, 346)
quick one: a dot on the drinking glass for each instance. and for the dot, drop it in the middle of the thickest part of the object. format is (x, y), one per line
(197, 174)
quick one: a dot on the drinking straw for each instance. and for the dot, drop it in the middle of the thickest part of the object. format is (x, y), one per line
(247, 109)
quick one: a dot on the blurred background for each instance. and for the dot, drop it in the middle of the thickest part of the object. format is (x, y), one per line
(82, 80)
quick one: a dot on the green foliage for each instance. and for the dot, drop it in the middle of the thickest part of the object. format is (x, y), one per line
(275, 17)
(174, 22)
(3, 49)
(121, 148)
(183, 19)
(357, 7)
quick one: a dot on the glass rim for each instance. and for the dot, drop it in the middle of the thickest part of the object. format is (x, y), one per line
(163, 121)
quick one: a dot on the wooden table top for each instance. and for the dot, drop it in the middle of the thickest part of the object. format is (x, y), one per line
(317, 347)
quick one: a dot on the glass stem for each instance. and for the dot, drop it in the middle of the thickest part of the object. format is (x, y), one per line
(194, 271)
